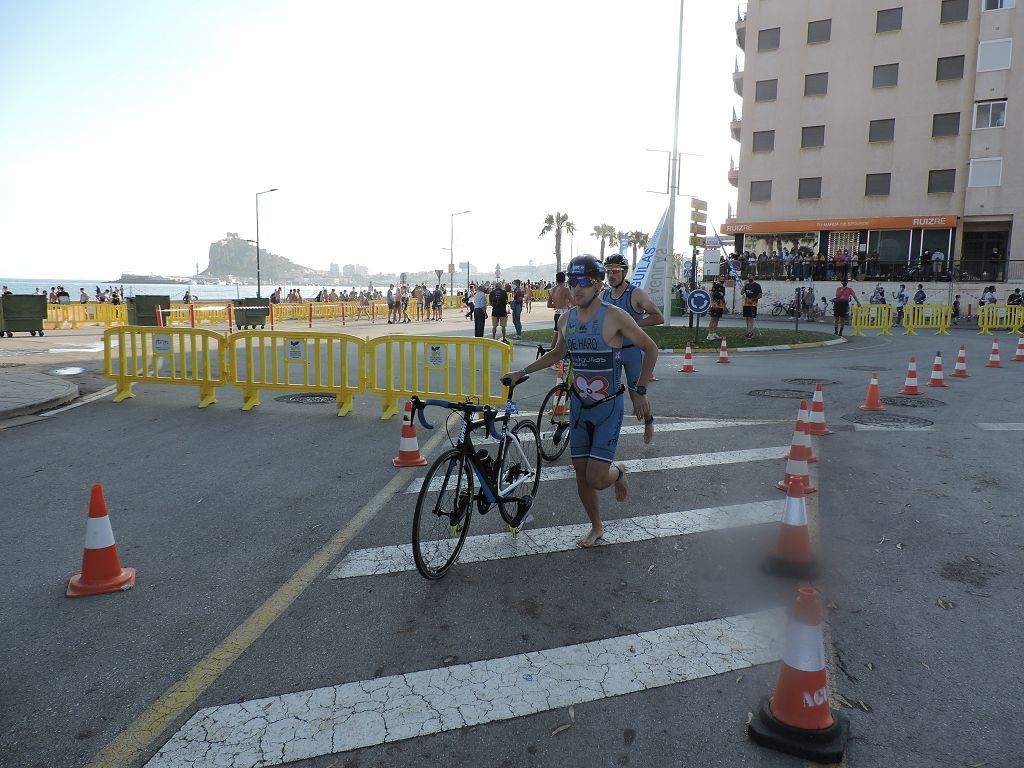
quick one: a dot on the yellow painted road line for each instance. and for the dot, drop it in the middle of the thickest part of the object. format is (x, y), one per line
(151, 724)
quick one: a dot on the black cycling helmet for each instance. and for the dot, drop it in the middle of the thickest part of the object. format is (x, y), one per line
(617, 260)
(585, 265)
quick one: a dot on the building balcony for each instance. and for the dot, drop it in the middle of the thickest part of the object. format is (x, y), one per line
(741, 26)
(737, 82)
(735, 125)
(734, 174)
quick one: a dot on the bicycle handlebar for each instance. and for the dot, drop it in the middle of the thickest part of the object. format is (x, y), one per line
(490, 414)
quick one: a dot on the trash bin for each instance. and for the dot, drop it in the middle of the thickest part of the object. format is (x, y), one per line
(142, 309)
(251, 312)
(20, 313)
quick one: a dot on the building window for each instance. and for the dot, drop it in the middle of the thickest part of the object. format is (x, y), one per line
(986, 172)
(889, 20)
(945, 124)
(766, 90)
(816, 84)
(886, 76)
(819, 31)
(949, 68)
(877, 184)
(954, 10)
(990, 114)
(809, 189)
(760, 191)
(882, 130)
(996, 5)
(764, 141)
(941, 181)
(768, 39)
(994, 54)
(812, 136)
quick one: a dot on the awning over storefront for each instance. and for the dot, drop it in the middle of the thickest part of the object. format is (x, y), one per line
(829, 225)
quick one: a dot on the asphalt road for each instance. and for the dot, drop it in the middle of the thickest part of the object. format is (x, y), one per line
(217, 509)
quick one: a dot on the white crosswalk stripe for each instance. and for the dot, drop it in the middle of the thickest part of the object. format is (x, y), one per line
(322, 721)
(1008, 427)
(501, 546)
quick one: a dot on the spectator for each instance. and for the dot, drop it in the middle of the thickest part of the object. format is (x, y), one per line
(902, 299)
(751, 295)
(83, 297)
(938, 261)
(1015, 299)
(920, 297)
(479, 311)
(518, 295)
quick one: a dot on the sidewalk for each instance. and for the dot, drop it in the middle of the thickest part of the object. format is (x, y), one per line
(24, 392)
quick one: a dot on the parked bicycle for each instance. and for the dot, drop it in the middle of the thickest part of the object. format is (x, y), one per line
(787, 309)
(553, 417)
(508, 480)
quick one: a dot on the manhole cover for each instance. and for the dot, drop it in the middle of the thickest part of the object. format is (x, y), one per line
(308, 398)
(886, 420)
(867, 368)
(69, 371)
(810, 382)
(912, 402)
(792, 394)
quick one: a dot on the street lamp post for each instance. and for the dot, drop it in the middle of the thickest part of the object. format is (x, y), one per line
(451, 252)
(258, 295)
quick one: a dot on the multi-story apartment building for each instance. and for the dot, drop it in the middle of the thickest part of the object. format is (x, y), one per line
(882, 126)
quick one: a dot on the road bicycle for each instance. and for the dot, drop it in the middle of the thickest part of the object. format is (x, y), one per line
(553, 416)
(508, 480)
(789, 309)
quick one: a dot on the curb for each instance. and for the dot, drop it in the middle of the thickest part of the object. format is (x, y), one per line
(777, 347)
(41, 405)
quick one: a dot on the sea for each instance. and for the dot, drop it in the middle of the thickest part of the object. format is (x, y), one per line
(176, 291)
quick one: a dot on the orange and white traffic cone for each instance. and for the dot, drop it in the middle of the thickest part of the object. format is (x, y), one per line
(1019, 356)
(800, 435)
(797, 719)
(723, 352)
(101, 567)
(910, 385)
(792, 555)
(993, 356)
(796, 467)
(936, 380)
(816, 424)
(408, 446)
(960, 371)
(873, 402)
(804, 422)
(688, 361)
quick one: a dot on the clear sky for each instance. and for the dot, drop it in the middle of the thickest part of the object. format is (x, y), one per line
(133, 134)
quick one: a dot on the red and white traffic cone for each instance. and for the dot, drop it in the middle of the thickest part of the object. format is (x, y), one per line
(804, 421)
(688, 361)
(936, 380)
(817, 424)
(960, 371)
(792, 555)
(1019, 356)
(800, 435)
(873, 401)
(993, 356)
(910, 385)
(408, 446)
(796, 467)
(101, 567)
(723, 352)
(797, 719)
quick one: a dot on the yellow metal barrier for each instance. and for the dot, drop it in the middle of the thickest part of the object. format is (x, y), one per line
(62, 315)
(927, 316)
(872, 316)
(1000, 316)
(188, 356)
(325, 362)
(451, 367)
(109, 314)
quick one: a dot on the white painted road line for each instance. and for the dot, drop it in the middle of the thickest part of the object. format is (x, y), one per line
(653, 464)
(324, 721)
(539, 541)
(1011, 427)
(685, 426)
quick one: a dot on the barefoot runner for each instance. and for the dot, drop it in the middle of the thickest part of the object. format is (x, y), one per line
(593, 332)
(559, 299)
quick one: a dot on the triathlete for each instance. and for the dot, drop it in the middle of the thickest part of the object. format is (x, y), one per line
(592, 333)
(560, 300)
(643, 310)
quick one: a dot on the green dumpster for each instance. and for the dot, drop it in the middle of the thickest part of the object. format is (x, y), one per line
(21, 313)
(251, 312)
(142, 309)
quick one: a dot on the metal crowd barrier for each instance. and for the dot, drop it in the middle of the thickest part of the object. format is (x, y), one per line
(872, 316)
(938, 316)
(1000, 316)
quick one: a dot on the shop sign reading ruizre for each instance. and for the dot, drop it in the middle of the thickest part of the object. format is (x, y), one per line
(829, 225)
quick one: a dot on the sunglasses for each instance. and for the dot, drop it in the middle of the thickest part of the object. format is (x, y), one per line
(581, 282)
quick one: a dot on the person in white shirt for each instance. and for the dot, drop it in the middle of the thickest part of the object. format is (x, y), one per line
(902, 299)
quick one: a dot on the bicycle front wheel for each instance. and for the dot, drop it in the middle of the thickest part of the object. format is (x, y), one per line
(443, 510)
(553, 423)
(777, 311)
(519, 472)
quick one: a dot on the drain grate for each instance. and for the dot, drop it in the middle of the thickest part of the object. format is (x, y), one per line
(791, 394)
(894, 420)
(912, 402)
(308, 398)
(810, 382)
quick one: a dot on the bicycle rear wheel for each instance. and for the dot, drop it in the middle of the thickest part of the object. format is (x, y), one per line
(553, 422)
(520, 460)
(443, 510)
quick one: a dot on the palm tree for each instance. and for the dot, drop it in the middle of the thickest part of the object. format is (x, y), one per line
(604, 233)
(637, 239)
(557, 223)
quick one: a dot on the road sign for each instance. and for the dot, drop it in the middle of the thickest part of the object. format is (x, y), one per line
(698, 229)
(699, 301)
(451, 269)
(698, 205)
(438, 272)
(696, 241)
(699, 216)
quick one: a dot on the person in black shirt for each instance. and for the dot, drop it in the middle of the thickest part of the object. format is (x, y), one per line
(499, 311)
(751, 295)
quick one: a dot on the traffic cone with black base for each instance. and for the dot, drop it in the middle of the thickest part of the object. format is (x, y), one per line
(1019, 355)
(101, 566)
(993, 356)
(688, 361)
(792, 556)
(797, 719)
(960, 371)
(816, 424)
(936, 380)
(873, 401)
(910, 384)
(408, 446)
(723, 352)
